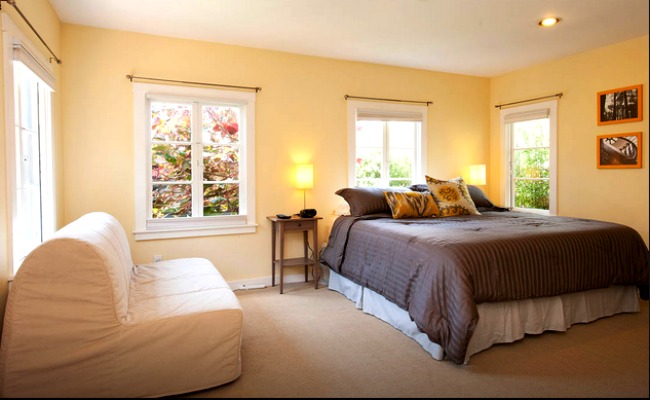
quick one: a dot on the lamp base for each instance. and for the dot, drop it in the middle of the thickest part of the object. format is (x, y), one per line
(308, 213)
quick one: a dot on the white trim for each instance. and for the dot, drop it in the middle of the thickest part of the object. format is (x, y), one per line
(531, 113)
(24, 51)
(12, 36)
(48, 185)
(522, 113)
(261, 283)
(194, 232)
(147, 228)
(10, 159)
(22, 54)
(387, 111)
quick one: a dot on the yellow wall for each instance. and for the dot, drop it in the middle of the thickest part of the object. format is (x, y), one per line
(301, 116)
(617, 195)
(41, 15)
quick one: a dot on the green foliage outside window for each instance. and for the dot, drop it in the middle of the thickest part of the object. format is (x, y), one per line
(401, 167)
(170, 201)
(222, 199)
(368, 172)
(380, 141)
(531, 165)
(532, 194)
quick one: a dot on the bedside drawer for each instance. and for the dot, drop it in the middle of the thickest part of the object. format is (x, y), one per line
(298, 225)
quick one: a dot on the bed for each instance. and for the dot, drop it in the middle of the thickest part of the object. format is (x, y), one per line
(460, 283)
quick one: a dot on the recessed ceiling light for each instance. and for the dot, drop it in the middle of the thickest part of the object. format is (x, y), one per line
(550, 21)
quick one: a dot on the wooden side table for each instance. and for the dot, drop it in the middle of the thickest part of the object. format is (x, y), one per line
(294, 224)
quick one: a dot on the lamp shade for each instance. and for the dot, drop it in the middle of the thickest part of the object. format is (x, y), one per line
(305, 176)
(477, 174)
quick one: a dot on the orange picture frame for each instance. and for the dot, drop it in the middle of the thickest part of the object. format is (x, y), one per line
(623, 150)
(620, 105)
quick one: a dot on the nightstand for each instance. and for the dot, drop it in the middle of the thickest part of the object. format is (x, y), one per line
(295, 224)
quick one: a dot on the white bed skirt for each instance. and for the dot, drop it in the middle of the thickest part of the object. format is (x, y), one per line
(500, 322)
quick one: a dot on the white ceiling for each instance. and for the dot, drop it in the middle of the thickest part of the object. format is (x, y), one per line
(474, 37)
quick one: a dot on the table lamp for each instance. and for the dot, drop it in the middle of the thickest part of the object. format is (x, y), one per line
(304, 181)
(477, 174)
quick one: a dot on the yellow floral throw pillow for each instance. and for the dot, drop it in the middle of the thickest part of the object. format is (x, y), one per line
(452, 197)
(411, 204)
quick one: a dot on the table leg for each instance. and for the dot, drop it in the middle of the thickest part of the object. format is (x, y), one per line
(305, 242)
(273, 228)
(281, 264)
(316, 258)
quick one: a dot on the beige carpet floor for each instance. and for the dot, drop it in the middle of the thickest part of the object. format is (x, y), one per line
(315, 343)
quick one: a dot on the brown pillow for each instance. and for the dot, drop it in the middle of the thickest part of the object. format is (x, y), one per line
(411, 204)
(366, 200)
(419, 187)
(479, 198)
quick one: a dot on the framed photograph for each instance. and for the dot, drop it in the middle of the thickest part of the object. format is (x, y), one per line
(619, 150)
(620, 105)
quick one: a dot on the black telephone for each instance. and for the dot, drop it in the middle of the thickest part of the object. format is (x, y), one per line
(308, 213)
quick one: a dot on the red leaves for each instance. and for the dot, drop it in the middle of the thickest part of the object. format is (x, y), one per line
(229, 127)
(232, 127)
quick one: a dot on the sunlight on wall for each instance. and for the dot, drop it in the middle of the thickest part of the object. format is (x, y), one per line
(301, 117)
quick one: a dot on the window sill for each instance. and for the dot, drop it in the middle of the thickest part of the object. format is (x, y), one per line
(532, 211)
(194, 232)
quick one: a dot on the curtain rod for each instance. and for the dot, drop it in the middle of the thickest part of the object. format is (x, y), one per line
(13, 4)
(255, 88)
(529, 100)
(380, 99)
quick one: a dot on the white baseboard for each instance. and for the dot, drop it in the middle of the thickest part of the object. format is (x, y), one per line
(260, 283)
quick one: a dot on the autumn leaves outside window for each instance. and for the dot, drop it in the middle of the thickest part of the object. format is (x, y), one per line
(194, 160)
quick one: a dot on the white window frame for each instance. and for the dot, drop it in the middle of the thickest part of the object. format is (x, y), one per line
(17, 47)
(524, 113)
(147, 228)
(388, 111)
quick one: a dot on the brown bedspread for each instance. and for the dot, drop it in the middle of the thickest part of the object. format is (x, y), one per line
(438, 269)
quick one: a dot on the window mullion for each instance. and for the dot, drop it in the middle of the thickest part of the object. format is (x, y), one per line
(416, 154)
(39, 158)
(150, 180)
(47, 185)
(197, 164)
(385, 177)
(510, 187)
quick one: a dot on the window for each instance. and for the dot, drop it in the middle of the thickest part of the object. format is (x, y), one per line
(386, 144)
(194, 161)
(529, 134)
(29, 164)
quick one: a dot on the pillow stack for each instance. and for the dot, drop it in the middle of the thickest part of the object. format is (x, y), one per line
(438, 198)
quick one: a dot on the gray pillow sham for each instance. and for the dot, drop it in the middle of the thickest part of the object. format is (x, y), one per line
(367, 200)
